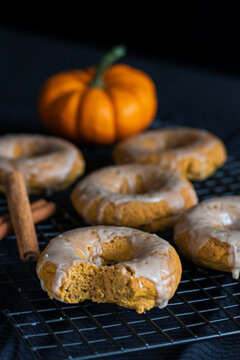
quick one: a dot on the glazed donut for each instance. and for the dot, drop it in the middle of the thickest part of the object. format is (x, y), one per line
(209, 232)
(196, 153)
(110, 264)
(135, 195)
(47, 163)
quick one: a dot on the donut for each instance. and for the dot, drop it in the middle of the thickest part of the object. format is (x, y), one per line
(209, 233)
(110, 264)
(47, 163)
(195, 153)
(135, 195)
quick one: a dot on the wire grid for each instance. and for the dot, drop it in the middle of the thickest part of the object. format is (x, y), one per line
(206, 304)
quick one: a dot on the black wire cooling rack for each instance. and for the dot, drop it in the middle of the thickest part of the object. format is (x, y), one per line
(206, 304)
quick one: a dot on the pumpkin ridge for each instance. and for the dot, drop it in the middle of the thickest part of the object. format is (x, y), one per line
(116, 119)
(56, 125)
(128, 89)
(145, 122)
(44, 104)
(114, 111)
(92, 132)
(79, 119)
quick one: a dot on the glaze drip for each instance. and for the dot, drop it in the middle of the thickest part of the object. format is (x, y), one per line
(216, 218)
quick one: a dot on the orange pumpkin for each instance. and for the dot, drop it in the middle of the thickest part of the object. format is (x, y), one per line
(98, 105)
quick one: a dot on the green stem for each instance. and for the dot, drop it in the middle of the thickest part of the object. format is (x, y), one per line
(108, 59)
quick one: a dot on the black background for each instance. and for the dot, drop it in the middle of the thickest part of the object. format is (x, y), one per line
(203, 34)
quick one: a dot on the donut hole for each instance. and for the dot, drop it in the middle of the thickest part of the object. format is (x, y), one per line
(178, 142)
(31, 149)
(112, 252)
(128, 184)
(230, 222)
(147, 184)
(135, 183)
(225, 217)
(139, 187)
(169, 142)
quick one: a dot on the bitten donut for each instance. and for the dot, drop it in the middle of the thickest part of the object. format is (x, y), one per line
(47, 163)
(196, 153)
(135, 195)
(125, 266)
(209, 234)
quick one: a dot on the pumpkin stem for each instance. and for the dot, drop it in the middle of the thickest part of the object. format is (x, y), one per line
(108, 59)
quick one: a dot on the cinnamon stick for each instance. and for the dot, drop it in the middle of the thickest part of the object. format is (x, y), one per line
(6, 217)
(41, 210)
(21, 215)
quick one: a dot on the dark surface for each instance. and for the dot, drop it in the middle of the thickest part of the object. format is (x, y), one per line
(186, 97)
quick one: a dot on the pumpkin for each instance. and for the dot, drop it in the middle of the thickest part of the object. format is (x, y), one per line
(98, 105)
